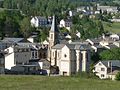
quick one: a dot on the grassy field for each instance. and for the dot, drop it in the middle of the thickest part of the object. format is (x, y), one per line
(55, 83)
(113, 27)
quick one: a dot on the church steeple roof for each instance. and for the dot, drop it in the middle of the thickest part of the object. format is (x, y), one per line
(54, 25)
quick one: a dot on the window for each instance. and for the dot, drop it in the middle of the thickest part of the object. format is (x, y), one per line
(35, 54)
(102, 69)
(102, 75)
(32, 54)
(51, 36)
(65, 55)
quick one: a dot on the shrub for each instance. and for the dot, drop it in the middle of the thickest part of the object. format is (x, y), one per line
(117, 77)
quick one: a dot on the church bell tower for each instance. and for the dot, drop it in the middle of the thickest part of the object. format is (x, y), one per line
(53, 33)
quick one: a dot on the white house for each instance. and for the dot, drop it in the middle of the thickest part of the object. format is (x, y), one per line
(114, 20)
(66, 24)
(70, 58)
(115, 36)
(17, 56)
(72, 13)
(109, 9)
(38, 21)
(103, 69)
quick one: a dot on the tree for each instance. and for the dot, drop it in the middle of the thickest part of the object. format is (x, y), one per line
(25, 27)
(112, 54)
(117, 77)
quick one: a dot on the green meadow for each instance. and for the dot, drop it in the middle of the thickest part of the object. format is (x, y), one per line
(112, 27)
(12, 82)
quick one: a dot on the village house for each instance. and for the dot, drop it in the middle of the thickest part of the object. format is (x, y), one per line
(114, 20)
(17, 55)
(109, 9)
(66, 24)
(72, 13)
(38, 21)
(107, 68)
(115, 37)
(95, 44)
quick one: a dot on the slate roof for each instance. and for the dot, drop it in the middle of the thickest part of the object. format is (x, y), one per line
(15, 40)
(112, 46)
(41, 18)
(82, 47)
(98, 46)
(78, 42)
(114, 63)
(96, 40)
(58, 46)
(70, 46)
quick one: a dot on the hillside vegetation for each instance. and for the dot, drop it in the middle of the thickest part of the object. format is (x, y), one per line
(112, 27)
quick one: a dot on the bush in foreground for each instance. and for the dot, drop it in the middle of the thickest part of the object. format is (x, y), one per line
(117, 77)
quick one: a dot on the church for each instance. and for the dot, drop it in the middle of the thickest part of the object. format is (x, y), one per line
(69, 58)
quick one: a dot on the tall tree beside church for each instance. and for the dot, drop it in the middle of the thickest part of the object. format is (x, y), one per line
(113, 54)
(25, 27)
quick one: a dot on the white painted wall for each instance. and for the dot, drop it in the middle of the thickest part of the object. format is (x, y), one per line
(62, 23)
(65, 61)
(9, 61)
(98, 71)
(34, 22)
(14, 58)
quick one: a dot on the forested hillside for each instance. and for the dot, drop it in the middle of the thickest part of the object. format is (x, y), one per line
(15, 16)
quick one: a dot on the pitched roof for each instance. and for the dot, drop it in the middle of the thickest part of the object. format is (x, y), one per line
(58, 46)
(112, 46)
(96, 40)
(15, 40)
(82, 47)
(70, 46)
(114, 62)
(79, 42)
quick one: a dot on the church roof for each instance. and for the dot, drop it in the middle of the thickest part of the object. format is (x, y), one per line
(58, 46)
(54, 25)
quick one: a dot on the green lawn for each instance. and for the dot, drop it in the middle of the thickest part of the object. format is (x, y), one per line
(55, 83)
(113, 27)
